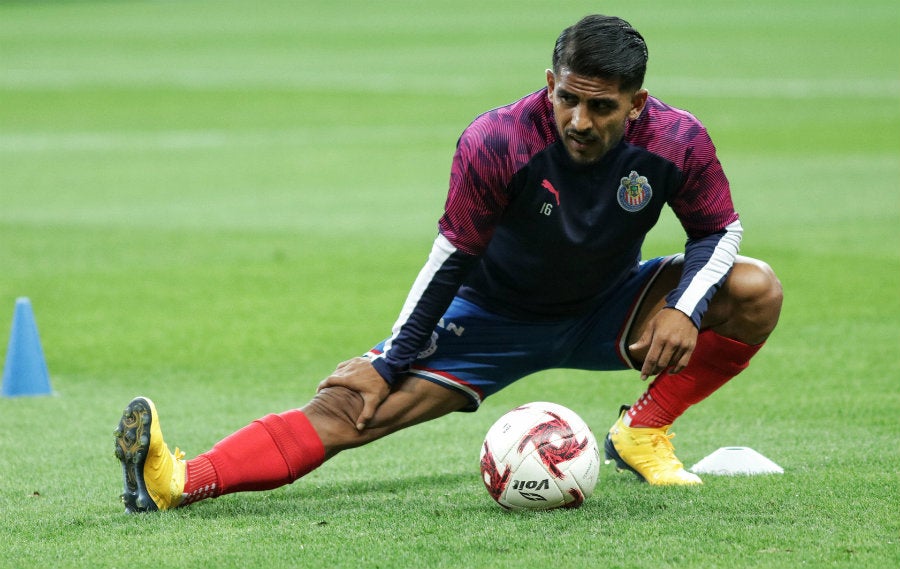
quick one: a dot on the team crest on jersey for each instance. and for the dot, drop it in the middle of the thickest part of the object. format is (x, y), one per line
(431, 348)
(634, 192)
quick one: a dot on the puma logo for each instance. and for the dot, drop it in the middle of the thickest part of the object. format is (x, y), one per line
(549, 187)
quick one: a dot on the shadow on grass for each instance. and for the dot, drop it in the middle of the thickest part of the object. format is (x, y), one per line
(616, 496)
(303, 498)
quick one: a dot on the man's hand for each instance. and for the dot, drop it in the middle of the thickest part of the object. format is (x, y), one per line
(668, 341)
(360, 376)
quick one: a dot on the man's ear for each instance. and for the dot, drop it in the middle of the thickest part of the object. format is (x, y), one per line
(551, 83)
(638, 101)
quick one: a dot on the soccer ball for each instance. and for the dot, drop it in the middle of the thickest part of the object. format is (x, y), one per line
(540, 456)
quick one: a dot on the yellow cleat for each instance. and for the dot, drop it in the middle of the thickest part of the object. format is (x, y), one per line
(648, 452)
(153, 475)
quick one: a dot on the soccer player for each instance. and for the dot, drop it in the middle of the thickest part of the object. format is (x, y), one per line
(536, 265)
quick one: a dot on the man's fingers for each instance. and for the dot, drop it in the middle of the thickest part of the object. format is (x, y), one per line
(337, 377)
(682, 362)
(661, 355)
(331, 381)
(366, 414)
(643, 344)
(370, 404)
(359, 376)
(667, 343)
(674, 358)
(344, 364)
(370, 401)
(651, 363)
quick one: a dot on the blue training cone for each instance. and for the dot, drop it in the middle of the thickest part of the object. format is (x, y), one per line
(25, 371)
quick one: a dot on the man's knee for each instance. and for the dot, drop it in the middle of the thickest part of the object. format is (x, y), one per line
(754, 297)
(333, 413)
(755, 283)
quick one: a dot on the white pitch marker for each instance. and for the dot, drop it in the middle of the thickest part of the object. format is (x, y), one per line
(730, 461)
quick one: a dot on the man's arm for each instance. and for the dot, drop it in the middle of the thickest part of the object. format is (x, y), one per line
(481, 169)
(707, 261)
(671, 334)
(428, 299)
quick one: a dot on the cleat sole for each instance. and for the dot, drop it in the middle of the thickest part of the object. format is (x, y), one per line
(132, 442)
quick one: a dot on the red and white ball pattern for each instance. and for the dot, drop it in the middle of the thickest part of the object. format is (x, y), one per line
(540, 456)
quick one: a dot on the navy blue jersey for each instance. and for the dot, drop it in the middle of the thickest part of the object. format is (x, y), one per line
(529, 233)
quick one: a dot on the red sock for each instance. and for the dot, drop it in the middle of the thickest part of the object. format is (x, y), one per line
(268, 453)
(715, 360)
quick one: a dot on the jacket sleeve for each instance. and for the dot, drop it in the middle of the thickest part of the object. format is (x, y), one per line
(707, 262)
(705, 209)
(431, 294)
(475, 201)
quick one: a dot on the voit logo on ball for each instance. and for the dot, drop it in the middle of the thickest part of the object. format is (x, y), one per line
(529, 489)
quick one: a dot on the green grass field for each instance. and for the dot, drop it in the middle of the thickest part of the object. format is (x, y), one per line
(213, 203)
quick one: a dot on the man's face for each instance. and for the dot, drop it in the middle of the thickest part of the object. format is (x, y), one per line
(591, 113)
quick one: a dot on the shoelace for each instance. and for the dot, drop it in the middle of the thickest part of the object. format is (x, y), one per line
(657, 439)
(663, 447)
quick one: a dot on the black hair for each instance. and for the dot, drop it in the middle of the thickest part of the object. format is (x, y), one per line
(603, 46)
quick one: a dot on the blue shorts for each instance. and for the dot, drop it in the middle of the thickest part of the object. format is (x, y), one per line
(478, 353)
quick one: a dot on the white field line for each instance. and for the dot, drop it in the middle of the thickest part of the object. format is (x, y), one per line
(871, 88)
(105, 141)
(36, 142)
(375, 81)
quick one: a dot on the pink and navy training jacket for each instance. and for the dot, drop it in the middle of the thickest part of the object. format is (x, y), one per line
(531, 234)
